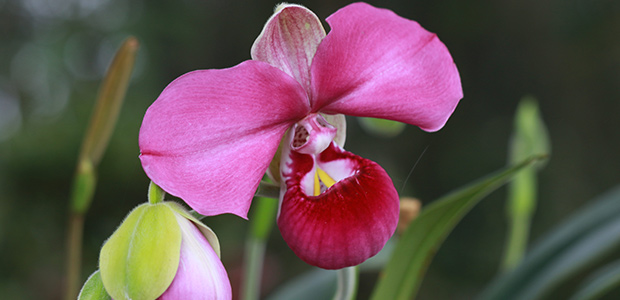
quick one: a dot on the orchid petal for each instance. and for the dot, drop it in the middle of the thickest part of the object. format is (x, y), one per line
(201, 274)
(289, 40)
(346, 224)
(211, 134)
(374, 63)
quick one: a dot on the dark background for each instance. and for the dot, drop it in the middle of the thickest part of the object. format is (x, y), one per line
(566, 53)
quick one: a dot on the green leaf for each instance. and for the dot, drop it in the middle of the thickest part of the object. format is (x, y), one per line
(141, 258)
(414, 252)
(600, 283)
(93, 289)
(572, 247)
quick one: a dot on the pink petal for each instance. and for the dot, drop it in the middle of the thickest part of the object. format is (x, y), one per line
(374, 63)
(211, 134)
(349, 222)
(289, 40)
(201, 274)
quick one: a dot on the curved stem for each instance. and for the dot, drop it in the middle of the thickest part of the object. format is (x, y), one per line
(347, 284)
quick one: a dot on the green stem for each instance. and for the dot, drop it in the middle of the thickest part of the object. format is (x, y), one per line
(102, 122)
(74, 254)
(253, 268)
(347, 284)
(269, 190)
(516, 242)
(521, 206)
(156, 194)
(82, 192)
(262, 222)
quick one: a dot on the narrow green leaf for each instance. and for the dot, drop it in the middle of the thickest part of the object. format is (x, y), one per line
(405, 271)
(572, 247)
(529, 138)
(93, 289)
(141, 258)
(600, 283)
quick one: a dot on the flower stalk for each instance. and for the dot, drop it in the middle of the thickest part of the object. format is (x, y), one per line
(260, 227)
(529, 138)
(103, 120)
(347, 283)
(156, 194)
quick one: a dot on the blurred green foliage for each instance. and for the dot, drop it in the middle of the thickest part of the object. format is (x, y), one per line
(53, 54)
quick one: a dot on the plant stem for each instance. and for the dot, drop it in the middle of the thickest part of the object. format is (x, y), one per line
(516, 243)
(347, 284)
(102, 122)
(261, 224)
(74, 254)
(155, 194)
(269, 190)
(253, 267)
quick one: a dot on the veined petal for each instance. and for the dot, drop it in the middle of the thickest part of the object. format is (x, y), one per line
(374, 63)
(211, 134)
(347, 223)
(201, 274)
(289, 40)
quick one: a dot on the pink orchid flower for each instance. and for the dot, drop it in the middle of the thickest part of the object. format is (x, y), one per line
(211, 134)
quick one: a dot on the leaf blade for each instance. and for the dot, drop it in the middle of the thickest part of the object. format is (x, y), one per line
(572, 246)
(404, 272)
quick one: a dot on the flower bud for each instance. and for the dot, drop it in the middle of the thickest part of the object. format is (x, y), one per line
(161, 252)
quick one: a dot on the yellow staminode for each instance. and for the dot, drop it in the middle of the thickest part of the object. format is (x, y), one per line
(321, 177)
